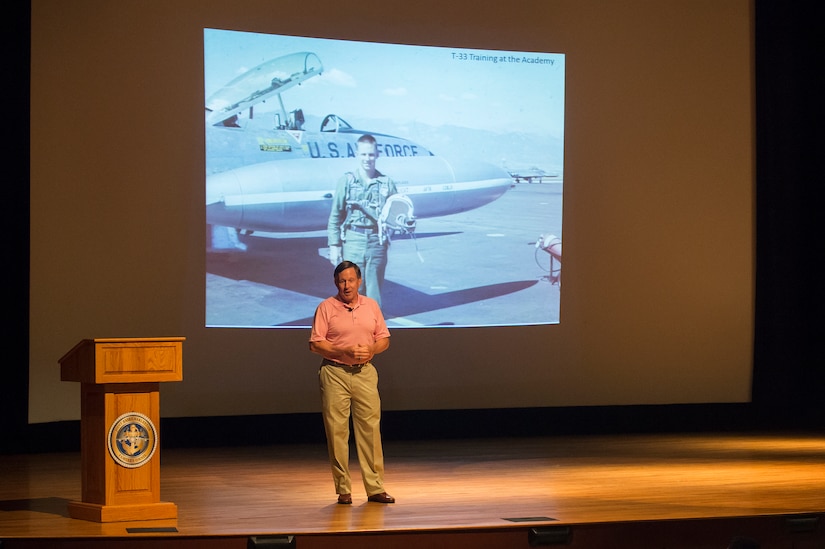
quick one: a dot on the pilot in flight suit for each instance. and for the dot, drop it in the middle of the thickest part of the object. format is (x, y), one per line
(354, 233)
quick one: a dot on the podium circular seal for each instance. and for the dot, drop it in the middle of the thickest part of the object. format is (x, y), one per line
(132, 440)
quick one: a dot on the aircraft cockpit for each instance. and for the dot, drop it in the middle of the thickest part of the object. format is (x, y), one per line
(294, 121)
(334, 123)
(259, 84)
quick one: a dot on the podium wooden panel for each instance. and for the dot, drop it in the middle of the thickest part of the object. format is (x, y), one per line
(119, 425)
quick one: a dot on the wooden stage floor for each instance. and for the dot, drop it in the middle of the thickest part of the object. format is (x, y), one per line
(495, 490)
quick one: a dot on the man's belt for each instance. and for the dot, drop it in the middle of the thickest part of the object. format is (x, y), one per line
(351, 368)
(363, 230)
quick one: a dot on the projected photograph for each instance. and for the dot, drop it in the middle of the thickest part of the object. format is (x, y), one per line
(446, 162)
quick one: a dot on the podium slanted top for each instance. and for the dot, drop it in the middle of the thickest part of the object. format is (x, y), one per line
(124, 360)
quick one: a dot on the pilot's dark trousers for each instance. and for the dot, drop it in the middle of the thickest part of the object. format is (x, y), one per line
(365, 250)
(347, 391)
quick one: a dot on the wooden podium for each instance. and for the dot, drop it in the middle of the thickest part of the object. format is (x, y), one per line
(120, 417)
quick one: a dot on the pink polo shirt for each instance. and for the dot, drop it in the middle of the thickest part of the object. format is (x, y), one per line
(336, 323)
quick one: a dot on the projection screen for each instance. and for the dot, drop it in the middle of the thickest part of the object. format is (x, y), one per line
(472, 142)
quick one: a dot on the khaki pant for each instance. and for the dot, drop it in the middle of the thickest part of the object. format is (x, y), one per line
(345, 393)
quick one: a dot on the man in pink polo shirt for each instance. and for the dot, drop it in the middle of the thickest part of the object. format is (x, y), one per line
(347, 331)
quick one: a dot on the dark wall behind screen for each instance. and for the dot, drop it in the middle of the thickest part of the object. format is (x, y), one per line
(657, 304)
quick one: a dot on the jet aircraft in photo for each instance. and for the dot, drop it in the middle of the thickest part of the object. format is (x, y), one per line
(268, 171)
